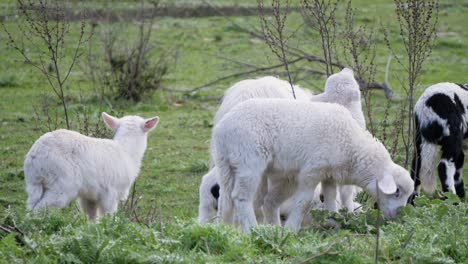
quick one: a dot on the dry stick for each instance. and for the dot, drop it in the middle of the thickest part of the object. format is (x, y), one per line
(236, 75)
(161, 224)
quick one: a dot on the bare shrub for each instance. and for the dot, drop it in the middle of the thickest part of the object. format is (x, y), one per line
(129, 70)
(44, 41)
(320, 16)
(417, 22)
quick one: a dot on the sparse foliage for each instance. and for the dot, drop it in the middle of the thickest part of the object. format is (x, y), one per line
(320, 15)
(417, 21)
(274, 33)
(46, 31)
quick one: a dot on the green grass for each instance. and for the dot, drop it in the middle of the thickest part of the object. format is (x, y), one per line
(177, 155)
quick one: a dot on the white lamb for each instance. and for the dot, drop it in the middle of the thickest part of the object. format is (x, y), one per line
(281, 140)
(343, 89)
(340, 88)
(63, 165)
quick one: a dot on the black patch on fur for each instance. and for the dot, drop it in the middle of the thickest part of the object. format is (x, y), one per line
(442, 105)
(215, 191)
(443, 176)
(460, 189)
(463, 86)
(432, 132)
(459, 105)
(459, 185)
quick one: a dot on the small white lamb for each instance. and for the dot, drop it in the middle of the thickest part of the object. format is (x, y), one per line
(281, 140)
(63, 165)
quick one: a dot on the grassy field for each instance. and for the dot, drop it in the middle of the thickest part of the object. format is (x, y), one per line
(177, 156)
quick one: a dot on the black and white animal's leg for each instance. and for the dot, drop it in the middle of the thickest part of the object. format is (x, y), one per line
(451, 152)
(459, 185)
(416, 162)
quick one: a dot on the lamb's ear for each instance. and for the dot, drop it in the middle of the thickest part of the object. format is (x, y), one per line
(347, 71)
(387, 184)
(111, 122)
(151, 123)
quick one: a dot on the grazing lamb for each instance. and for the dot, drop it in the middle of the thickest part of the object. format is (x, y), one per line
(340, 88)
(63, 165)
(265, 87)
(281, 140)
(441, 123)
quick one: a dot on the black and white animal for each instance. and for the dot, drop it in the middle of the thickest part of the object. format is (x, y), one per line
(441, 126)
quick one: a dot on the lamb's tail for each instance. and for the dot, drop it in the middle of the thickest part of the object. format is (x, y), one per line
(226, 183)
(35, 190)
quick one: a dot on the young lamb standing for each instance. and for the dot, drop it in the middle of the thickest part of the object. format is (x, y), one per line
(265, 87)
(441, 123)
(281, 140)
(63, 165)
(340, 88)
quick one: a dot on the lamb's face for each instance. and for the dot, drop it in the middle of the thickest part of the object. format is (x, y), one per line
(393, 191)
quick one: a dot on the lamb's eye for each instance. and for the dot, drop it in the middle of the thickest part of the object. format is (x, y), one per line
(397, 193)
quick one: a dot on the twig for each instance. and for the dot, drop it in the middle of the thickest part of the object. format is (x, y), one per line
(13, 229)
(260, 69)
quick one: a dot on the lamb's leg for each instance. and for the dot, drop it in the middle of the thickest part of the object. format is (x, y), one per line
(302, 202)
(243, 194)
(225, 208)
(347, 195)
(225, 204)
(451, 152)
(329, 190)
(108, 203)
(55, 196)
(459, 185)
(277, 194)
(259, 199)
(89, 207)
